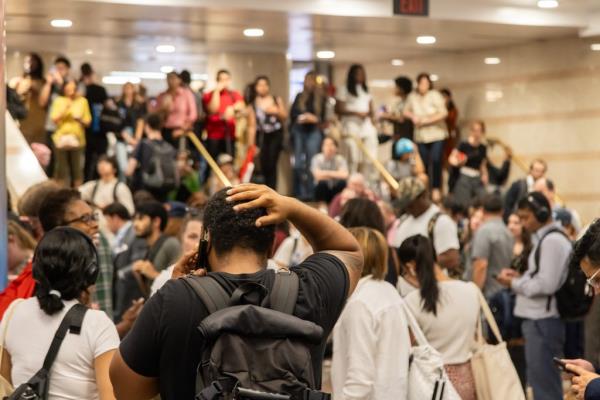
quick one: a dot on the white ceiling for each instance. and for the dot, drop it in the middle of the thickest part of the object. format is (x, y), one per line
(123, 33)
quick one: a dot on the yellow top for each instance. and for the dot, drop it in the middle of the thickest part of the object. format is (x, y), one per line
(73, 114)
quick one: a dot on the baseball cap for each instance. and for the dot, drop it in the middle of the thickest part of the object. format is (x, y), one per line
(403, 146)
(409, 190)
(224, 158)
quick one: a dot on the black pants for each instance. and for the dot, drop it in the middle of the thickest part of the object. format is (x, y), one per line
(327, 190)
(96, 145)
(270, 147)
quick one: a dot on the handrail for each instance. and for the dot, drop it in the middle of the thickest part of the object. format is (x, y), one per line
(378, 165)
(520, 163)
(211, 161)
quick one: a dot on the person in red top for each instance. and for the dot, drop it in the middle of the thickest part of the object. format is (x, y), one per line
(220, 120)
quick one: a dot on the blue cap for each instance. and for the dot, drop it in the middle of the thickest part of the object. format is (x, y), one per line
(403, 146)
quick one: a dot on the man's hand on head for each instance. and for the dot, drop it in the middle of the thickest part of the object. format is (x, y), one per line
(253, 196)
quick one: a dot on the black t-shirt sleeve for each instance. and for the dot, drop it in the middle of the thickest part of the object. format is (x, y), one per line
(463, 147)
(324, 285)
(141, 347)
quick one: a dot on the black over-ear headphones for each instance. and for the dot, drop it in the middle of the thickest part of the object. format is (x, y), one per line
(91, 270)
(540, 211)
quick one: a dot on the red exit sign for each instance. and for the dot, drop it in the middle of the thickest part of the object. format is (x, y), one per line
(411, 7)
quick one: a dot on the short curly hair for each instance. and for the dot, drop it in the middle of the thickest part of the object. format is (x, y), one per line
(588, 246)
(229, 228)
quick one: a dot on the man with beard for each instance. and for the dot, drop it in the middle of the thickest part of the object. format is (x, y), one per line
(150, 253)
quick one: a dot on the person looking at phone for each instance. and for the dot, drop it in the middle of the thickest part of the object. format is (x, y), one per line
(162, 352)
(469, 160)
(586, 253)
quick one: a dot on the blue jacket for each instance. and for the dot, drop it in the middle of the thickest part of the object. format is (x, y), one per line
(592, 391)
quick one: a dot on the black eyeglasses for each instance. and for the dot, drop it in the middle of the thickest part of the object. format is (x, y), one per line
(85, 218)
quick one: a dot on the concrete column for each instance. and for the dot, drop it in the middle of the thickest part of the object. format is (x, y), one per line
(3, 186)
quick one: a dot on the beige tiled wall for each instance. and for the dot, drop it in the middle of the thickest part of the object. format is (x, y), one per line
(549, 105)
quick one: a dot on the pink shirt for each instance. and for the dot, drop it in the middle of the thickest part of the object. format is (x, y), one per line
(183, 111)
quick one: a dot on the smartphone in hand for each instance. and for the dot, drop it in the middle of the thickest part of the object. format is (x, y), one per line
(562, 365)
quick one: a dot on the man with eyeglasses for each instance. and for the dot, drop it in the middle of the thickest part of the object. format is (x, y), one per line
(585, 378)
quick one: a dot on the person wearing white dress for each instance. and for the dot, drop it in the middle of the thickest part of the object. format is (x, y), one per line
(355, 108)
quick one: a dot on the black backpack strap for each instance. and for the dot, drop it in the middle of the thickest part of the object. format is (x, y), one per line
(115, 192)
(94, 191)
(284, 293)
(72, 322)
(212, 294)
(538, 250)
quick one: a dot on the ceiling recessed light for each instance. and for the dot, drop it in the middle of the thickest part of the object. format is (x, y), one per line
(434, 78)
(165, 48)
(492, 60)
(89, 52)
(120, 80)
(595, 46)
(426, 39)
(396, 62)
(61, 23)
(325, 54)
(165, 69)
(547, 3)
(254, 32)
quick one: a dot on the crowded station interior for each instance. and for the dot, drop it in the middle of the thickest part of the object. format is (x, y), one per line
(300, 199)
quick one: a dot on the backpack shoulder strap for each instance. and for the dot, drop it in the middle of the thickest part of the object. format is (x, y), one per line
(212, 294)
(72, 322)
(284, 293)
(94, 191)
(538, 250)
(115, 188)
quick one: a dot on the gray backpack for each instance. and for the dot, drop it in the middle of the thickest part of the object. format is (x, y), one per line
(162, 171)
(255, 348)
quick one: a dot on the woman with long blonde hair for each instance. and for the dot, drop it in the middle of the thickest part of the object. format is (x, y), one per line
(371, 343)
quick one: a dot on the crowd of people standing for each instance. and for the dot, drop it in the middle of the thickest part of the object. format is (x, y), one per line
(132, 197)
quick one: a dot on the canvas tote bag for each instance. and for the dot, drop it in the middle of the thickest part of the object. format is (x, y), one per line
(6, 389)
(494, 373)
(427, 379)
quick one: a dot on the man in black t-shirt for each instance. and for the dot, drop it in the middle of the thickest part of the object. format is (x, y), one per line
(162, 352)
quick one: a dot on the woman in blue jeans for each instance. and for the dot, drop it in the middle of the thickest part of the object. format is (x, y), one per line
(426, 108)
(307, 116)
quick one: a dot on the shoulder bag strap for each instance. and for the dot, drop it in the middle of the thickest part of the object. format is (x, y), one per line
(72, 322)
(489, 317)
(284, 293)
(212, 294)
(414, 326)
(9, 315)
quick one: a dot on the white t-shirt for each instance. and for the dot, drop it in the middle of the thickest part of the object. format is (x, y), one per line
(371, 345)
(293, 250)
(104, 194)
(445, 231)
(452, 330)
(28, 338)
(359, 103)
